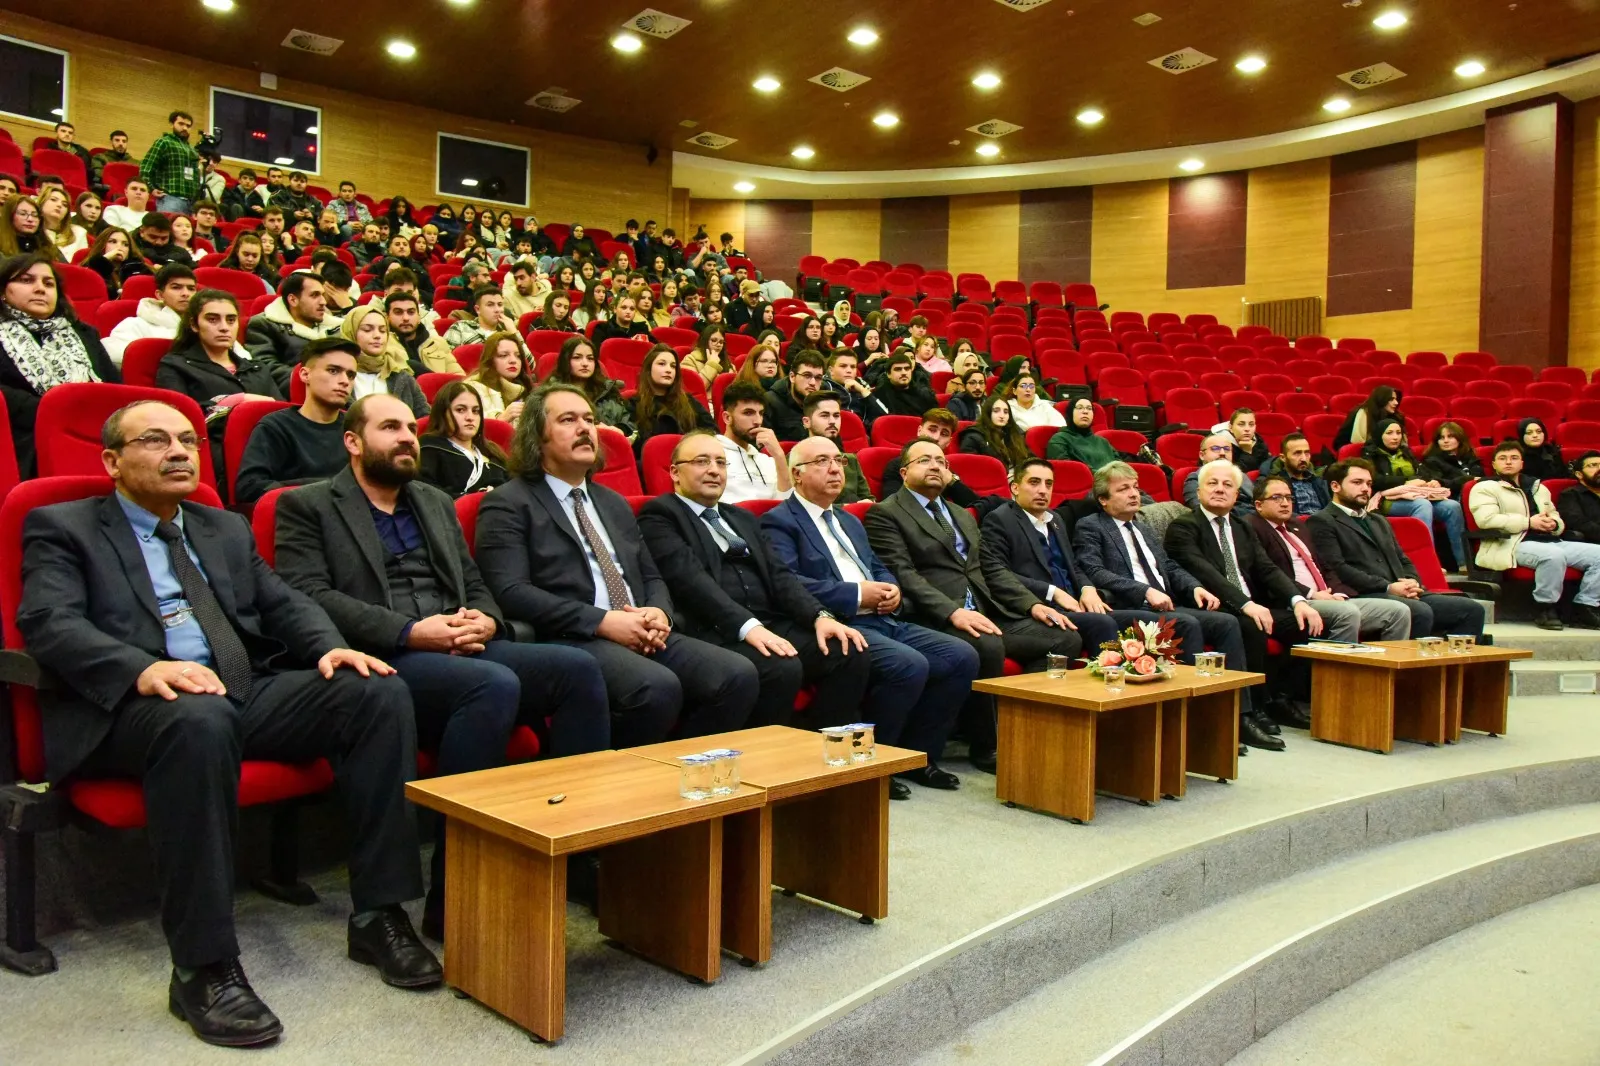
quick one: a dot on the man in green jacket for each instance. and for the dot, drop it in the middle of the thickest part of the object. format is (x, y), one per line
(172, 167)
(823, 417)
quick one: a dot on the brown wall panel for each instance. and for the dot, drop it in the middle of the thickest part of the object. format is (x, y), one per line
(1206, 225)
(776, 234)
(1372, 207)
(1055, 236)
(916, 229)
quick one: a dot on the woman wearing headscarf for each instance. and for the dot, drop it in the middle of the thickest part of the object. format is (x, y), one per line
(1398, 482)
(1541, 458)
(1077, 439)
(382, 365)
(841, 317)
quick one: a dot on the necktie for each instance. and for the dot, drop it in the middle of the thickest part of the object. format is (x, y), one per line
(844, 542)
(737, 547)
(1230, 566)
(944, 527)
(232, 662)
(1305, 557)
(1150, 568)
(616, 587)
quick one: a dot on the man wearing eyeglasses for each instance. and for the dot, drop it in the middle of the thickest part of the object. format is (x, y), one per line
(1218, 446)
(786, 400)
(730, 591)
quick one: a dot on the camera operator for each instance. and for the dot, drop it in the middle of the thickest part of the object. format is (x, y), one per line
(172, 167)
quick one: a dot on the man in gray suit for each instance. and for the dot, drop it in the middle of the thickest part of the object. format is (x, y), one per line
(383, 554)
(565, 556)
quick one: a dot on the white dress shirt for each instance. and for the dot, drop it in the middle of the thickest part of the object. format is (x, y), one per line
(752, 473)
(698, 509)
(1223, 531)
(1131, 534)
(1302, 574)
(842, 559)
(563, 494)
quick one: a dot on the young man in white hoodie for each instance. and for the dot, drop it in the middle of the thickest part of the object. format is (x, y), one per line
(129, 217)
(158, 316)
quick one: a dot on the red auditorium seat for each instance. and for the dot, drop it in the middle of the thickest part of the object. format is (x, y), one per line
(1073, 480)
(655, 463)
(1579, 434)
(1126, 441)
(1153, 482)
(1439, 388)
(1081, 294)
(1545, 411)
(1179, 449)
(1196, 407)
(1038, 439)
(236, 434)
(1572, 376)
(1313, 342)
(1462, 374)
(1557, 392)
(140, 359)
(67, 426)
(1234, 399)
(1432, 360)
(624, 358)
(1298, 405)
(894, 431)
(620, 473)
(1423, 407)
(984, 474)
(873, 462)
(1125, 385)
(1480, 359)
(1319, 430)
(1500, 392)
(1273, 426)
(430, 384)
(1357, 344)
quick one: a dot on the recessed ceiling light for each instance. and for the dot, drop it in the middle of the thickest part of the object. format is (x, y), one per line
(402, 49)
(284, 161)
(461, 3)
(743, 186)
(988, 148)
(1337, 105)
(767, 85)
(471, 183)
(803, 152)
(863, 36)
(218, 5)
(987, 80)
(885, 119)
(1390, 20)
(1250, 65)
(1471, 69)
(1090, 117)
(1192, 165)
(626, 42)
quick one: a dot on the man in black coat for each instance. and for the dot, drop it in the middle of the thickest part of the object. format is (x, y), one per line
(897, 393)
(786, 400)
(1580, 504)
(384, 555)
(181, 653)
(730, 591)
(565, 556)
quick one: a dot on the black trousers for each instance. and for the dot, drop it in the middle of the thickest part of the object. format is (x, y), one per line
(1224, 631)
(187, 753)
(1025, 640)
(841, 680)
(701, 687)
(1287, 677)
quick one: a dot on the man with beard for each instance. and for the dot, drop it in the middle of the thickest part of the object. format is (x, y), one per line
(426, 351)
(302, 444)
(1306, 483)
(1580, 504)
(898, 394)
(824, 418)
(756, 466)
(383, 554)
(172, 167)
(787, 397)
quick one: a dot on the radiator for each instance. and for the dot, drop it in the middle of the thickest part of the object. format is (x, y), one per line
(1299, 317)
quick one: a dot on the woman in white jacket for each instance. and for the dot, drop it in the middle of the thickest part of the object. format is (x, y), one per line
(156, 317)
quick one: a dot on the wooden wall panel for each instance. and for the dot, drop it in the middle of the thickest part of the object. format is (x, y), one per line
(983, 230)
(717, 216)
(1583, 339)
(1129, 267)
(1055, 236)
(776, 234)
(846, 229)
(1371, 220)
(1206, 228)
(916, 229)
(1287, 232)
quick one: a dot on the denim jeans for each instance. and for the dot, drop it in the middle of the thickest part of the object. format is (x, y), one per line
(1549, 561)
(1443, 512)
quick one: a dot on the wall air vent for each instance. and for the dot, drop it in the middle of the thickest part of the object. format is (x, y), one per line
(657, 24)
(714, 141)
(1023, 5)
(315, 43)
(995, 127)
(1367, 77)
(554, 99)
(839, 79)
(1183, 60)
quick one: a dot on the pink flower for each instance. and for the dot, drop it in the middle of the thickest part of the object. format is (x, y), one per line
(1133, 648)
(1144, 665)
(1110, 658)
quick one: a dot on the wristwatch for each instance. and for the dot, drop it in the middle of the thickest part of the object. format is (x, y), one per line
(829, 615)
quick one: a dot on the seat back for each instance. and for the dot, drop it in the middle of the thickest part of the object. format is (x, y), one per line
(241, 283)
(983, 474)
(1073, 480)
(621, 473)
(1415, 540)
(140, 359)
(236, 430)
(655, 463)
(873, 462)
(895, 431)
(66, 428)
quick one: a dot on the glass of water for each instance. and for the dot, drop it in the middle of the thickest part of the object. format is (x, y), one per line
(836, 745)
(724, 770)
(1430, 647)
(695, 776)
(1461, 643)
(863, 741)
(1112, 676)
(1056, 665)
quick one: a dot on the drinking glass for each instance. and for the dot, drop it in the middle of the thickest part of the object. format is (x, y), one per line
(1056, 665)
(1112, 675)
(724, 770)
(1461, 643)
(695, 776)
(863, 741)
(1430, 647)
(836, 745)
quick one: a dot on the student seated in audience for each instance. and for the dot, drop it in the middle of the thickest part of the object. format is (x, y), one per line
(381, 364)
(993, 435)
(298, 237)
(128, 216)
(649, 312)
(565, 555)
(1077, 439)
(1249, 451)
(740, 313)
(969, 390)
(844, 382)
(1361, 425)
(591, 308)
(297, 204)
(426, 352)
(368, 246)
(154, 242)
(10, 186)
(456, 456)
(556, 315)
(55, 224)
(422, 605)
(249, 255)
(1403, 493)
(731, 592)
(932, 547)
(524, 290)
(807, 339)
(488, 316)
(1287, 543)
(206, 216)
(1218, 446)
(709, 357)
(756, 466)
(243, 200)
(338, 283)
(897, 393)
(352, 213)
(303, 444)
(474, 275)
(1306, 483)
(576, 365)
(762, 318)
(1526, 529)
(661, 404)
(929, 361)
(117, 153)
(578, 245)
(298, 316)
(824, 417)
(1541, 456)
(503, 379)
(787, 397)
(1357, 546)
(328, 232)
(111, 256)
(399, 255)
(1580, 504)
(87, 212)
(622, 325)
(1029, 408)
(22, 232)
(157, 316)
(939, 426)
(236, 665)
(1451, 460)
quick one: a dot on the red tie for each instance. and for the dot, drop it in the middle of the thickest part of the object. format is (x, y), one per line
(1305, 557)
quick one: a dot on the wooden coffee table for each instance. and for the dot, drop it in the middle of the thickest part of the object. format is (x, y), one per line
(1062, 739)
(824, 832)
(1367, 700)
(506, 873)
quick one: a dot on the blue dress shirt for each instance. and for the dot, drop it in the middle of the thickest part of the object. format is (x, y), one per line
(186, 641)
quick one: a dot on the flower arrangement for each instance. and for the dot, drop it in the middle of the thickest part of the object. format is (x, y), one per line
(1145, 650)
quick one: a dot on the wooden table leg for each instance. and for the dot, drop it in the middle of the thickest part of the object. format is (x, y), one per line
(1454, 678)
(1353, 704)
(747, 883)
(1046, 757)
(661, 896)
(1421, 704)
(505, 927)
(833, 845)
(1213, 735)
(1174, 747)
(1128, 752)
(1485, 690)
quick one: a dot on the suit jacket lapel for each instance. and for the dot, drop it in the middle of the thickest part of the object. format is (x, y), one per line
(119, 532)
(1041, 551)
(1113, 530)
(809, 530)
(356, 513)
(540, 490)
(700, 535)
(919, 511)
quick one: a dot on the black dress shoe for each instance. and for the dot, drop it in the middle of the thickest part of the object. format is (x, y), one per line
(899, 790)
(982, 760)
(1255, 737)
(1263, 722)
(221, 1007)
(931, 776)
(1547, 618)
(389, 943)
(1290, 713)
(1583, 617)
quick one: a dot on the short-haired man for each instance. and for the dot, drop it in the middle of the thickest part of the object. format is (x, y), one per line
(622, 325)
(524, 290)
(272, 222)
(966, 400)
(1306, 483)
(932, 547)
(153, 241)
(1526, 529)
(786, 399)
(117, 153)
(426, 351)
(157, 316)
(368, 246)
(474, 276)
(920, 678)
(383, 554)
(756, 466)
(898, 393)
(10, 185)
(129, 216)
(939, 426)
(206, 216)
(215, 661)
(565, 555)
(295, 201)
(1580, 504)
(844, 380)
(303, 444)
(171, 168)
(1359, 548)
(299, 237)
(352, 213)
(825, 418)
(1215, 448)
(243, 200)
(298, 316)
(67, 141)
(742, 311)
(488, 307)
(1283, 537)
(731, 592)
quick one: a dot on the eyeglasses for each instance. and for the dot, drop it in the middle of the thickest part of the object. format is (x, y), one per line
(159, 440)
(828, 462)
(703, 462)
(1026, 386)
(936, 460)
(1276, 497)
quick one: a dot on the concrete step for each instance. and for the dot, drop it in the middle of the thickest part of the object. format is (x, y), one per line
(1555, 677)
(1562, 644)
(1201, 989)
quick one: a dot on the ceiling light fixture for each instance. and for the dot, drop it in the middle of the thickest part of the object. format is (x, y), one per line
(743, 186)
(885, 119)
(1470, 69)
(987, 80)
(218, 5)
(284, 161)
(1090, 117)
(471, 183)
(1390, 20)
(1192, 165)
(988, 148)
(461, 3)
(1337, 105)
(863, 37)
(766, 84)
(1250, 65)
(402, 49)
(626, 42)
(803, 152)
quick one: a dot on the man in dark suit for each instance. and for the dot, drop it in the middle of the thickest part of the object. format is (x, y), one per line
(933, 551)
(1123, 560)
(180, 653)
(1359, 548)
(939, 426)
(383, 554)
(565, 555)
(1213, 543)
(920, 678)
(731, 592)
